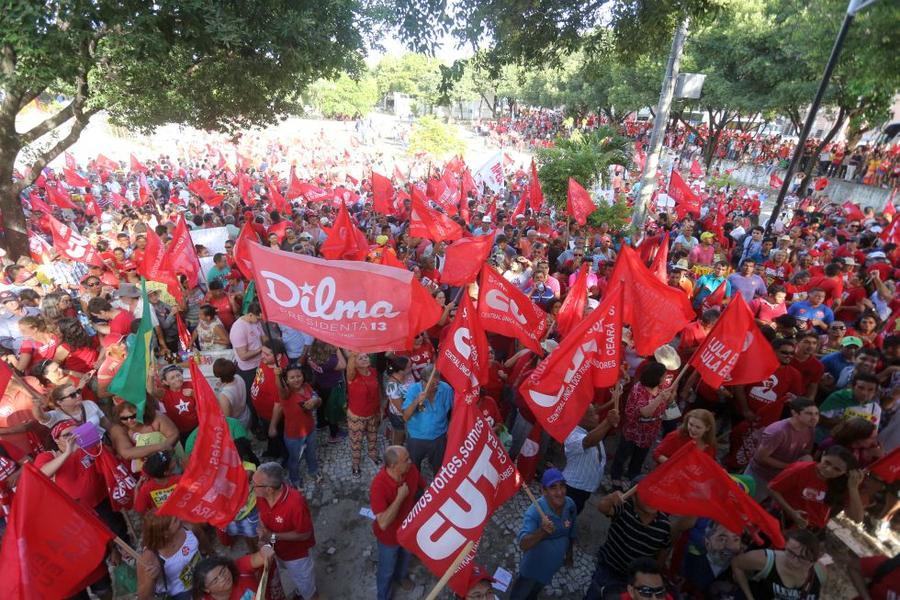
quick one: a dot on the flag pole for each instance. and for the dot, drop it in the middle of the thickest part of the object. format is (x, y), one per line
(263, 582)
(451, 570)
(126, 548)
(533, 500)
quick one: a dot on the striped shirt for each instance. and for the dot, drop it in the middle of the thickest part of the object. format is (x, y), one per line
(629, 538)
(584, 466)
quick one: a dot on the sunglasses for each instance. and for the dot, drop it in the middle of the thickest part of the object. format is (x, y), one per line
(127, 417)
(838, 328)
(645, 591)
(72, 395)
(93, 284)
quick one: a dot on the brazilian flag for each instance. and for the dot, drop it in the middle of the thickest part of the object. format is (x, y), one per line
(130, 383)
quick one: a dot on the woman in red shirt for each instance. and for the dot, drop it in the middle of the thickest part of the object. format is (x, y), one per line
(297, 404)
(78, 352)
(225, 304)
(643, 420)
(221, 578)
(363, 404)
(808, 491)
(698, 426)
(39, 343)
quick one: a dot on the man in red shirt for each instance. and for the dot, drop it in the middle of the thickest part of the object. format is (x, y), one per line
(177, 399)
(762, 403)
(805, 361)
(831, 282)
(286, 523)
(392, 495)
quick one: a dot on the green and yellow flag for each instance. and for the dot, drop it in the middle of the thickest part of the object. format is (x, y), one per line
(130, 383)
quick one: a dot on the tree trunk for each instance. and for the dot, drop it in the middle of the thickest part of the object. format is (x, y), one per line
(814, 159)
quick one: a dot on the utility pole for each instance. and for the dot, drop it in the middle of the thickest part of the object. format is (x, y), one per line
(648, 177)
(852, 9)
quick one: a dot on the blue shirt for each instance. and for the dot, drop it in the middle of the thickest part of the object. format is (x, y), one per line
(834, 363)
(547, 556)
(432, 420)
(748, 287)
(805, 312)
(707, 284)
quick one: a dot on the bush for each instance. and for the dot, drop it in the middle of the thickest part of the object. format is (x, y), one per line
(435, 138)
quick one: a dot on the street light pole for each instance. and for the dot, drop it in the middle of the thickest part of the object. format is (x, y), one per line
(852, 9)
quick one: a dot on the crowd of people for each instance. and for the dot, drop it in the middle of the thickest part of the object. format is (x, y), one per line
(822, 289)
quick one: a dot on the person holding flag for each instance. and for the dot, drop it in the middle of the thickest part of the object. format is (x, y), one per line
(426, 410)
(707, 286)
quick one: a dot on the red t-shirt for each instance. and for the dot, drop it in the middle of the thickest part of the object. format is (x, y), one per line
(672, 442)
(79, 477)
(181, 408)
(811, 370)
(851, 297)
(223, 310)
(298, 422)
(362, 394)
(151, 493)
(264, 391)
(382, 493)
(119, 328)
(490, 410)
(833, 286)
(38, 351)
(767, 398)
(419, 357)
(81, 360)
(765, 311)
(886, 589)
(804, 490)
(289, 513)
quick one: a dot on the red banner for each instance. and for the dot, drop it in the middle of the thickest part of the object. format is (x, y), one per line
(463, 355)
(72, 245)
(382, 194)
(504, 309)
(560, 388)
(431, 224)
(686, 201)
(181, 254)
(464, 258)
(201, 188)
(887, 468)
(572, 309)
(578, 202)
(478, 471)
(345, 241)
(355, 305)
(214, 485)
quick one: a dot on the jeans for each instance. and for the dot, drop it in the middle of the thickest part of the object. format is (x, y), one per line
(305, 446)
(525, 588)
(628, 450)
(393, 564)
(433, 450)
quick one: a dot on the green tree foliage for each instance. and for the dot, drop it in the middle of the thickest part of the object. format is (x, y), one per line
(582, 156)
(435, 138)
(207, 63)
(416, 75)
(344, 97)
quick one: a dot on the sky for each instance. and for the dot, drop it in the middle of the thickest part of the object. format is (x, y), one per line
(447, 50)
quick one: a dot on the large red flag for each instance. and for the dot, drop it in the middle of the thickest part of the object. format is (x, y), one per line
(464, 259)
(520, 207)
(477, 470)
(91, 207)
(276, 200)
(41, 251)
(70, 161)
(559, 390)
(821, 184)
(201, 188)
(155, 265)
(686, 201)
(442, 194)
(887, 468)
(504, 309)
(137, 166)
(692, 483)
(775, 181)
(655, 311)
(735, 351)
(355, 305)
(661, 260)
(851, 209)
(181, 256)
(716, 298)
(431, 224)
(382, 194)
(213, 487)
(345, 241)
(106, 163)
(71, 245)
(242, 250)
(463, 355)
(59, 197)
(572, 309)
(535, 193)
(578, 202)
(74, 179)
(294, 190)
(52, 543)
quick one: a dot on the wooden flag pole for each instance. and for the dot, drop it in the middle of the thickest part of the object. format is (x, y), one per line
(533, 500)
(125, 548)
(442, 582)
(263, 581)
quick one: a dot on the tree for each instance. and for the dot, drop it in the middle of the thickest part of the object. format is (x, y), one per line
(435, 138)
(207, 63)
(344, 96)
(584, 156)
(416, 75)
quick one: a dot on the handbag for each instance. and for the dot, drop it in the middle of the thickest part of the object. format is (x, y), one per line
(120, 483)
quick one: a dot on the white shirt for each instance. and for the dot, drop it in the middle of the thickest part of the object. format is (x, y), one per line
(584, 466)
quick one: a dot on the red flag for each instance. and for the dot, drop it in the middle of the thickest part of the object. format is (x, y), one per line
(716, 298)
(221, 164)
(345, 241)
(696, 169)
(431, 224)
(889, 209)
(295, 190)
(661, 259)
(887, 468)
(442, 194)
(504, 309)
(821, 184)
(382, 194)
(144, 190)
(245, 188)
(578, 202)
(527, 460)
(356, 305)
(775, 181)
(692, 483)
(463, 355)
(398, 175)
(136, 165)
(91, 207)
(70, 161)
(74, 179)
(639, 156)
(655, 311)
(37, 203)
(41, 251)
(59, 197)
(572, 309)
(201, 188)
(156, 267)
(276, 200)
(118, 200)
(311, 192)
(560, 388)
(464, 258)
(181, 256)
(242, 251)
(686, 201)
(535, 193)
(71, 245)
(852, 211)
(106, 163)
(481, 473)
(241, 162)
(735, 351)
(469, 185)
(213, 487)
(455, 166)
(51, 543)
(184, 336)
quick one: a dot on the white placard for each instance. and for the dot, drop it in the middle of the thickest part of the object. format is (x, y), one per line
(213, 239)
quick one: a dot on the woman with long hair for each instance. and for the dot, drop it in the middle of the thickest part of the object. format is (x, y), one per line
(327, 364)
(398, 378)
(698, 426)
(135, 441)
(297, 403)
(231, 391)
(77, 352)
(171, 551)
(222, 578)
(789, 573)
(363, 409)
(860, 436)
(39, 343)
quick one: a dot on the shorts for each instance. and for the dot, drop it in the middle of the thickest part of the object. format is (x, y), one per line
(302, 574)
(397, 422)
(246, 527)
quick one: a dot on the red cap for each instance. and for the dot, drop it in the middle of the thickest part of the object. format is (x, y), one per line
(478, 574)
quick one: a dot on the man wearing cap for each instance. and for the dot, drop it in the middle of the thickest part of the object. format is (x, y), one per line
(11, 312)
(546, 536)
(678, 277)
(836, 362)
(704, 252)
(479, 585)
(485, 227)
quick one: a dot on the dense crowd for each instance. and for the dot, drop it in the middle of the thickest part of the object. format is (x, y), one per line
(822, 289)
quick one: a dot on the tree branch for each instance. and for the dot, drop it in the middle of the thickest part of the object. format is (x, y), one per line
(50, 123)
(44, 158)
